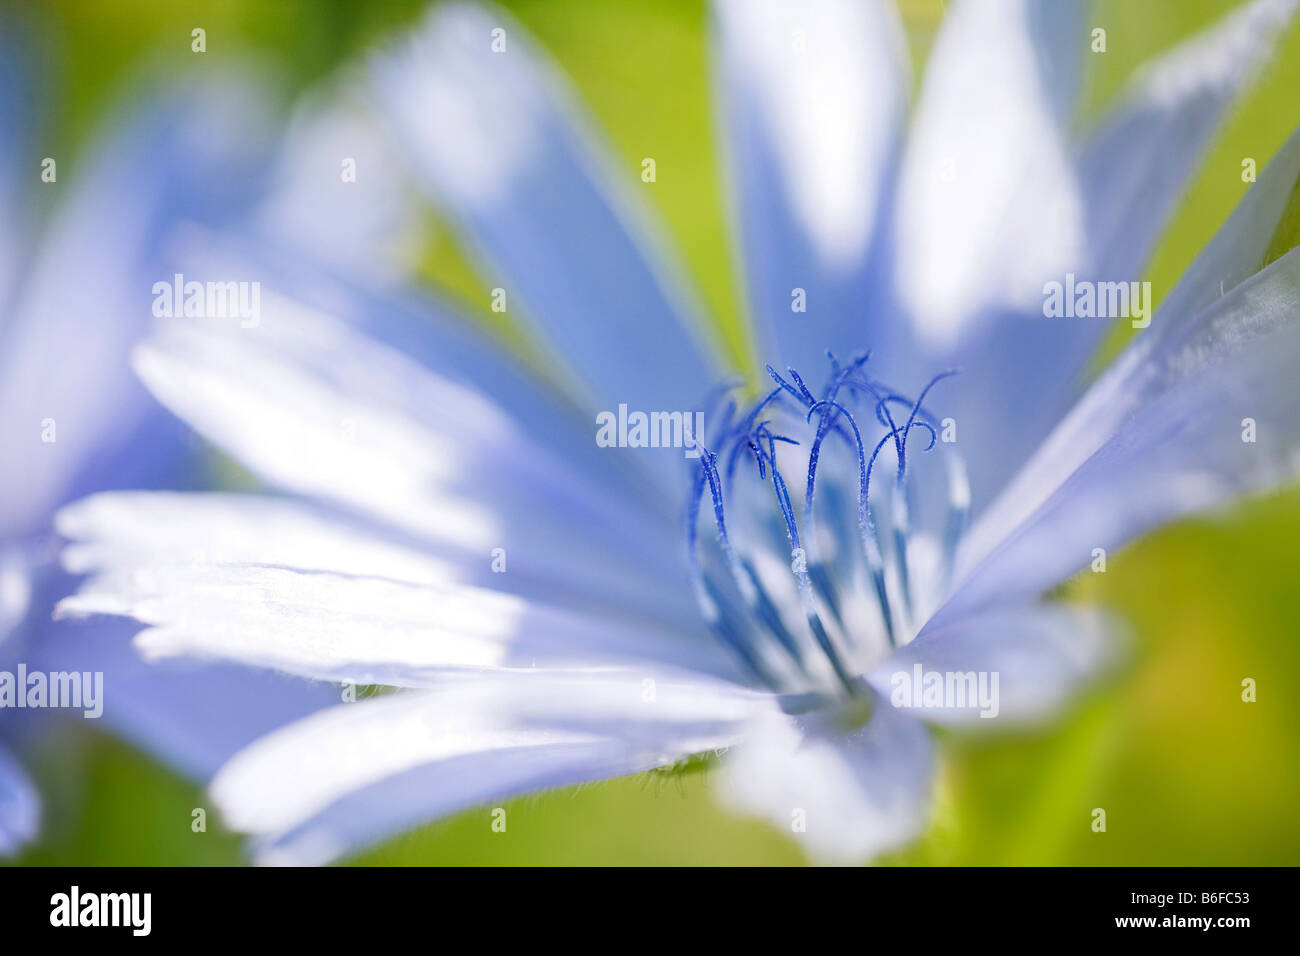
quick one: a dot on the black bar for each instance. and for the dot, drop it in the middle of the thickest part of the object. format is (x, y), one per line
(362, 906)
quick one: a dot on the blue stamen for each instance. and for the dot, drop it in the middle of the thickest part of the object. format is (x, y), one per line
(785, 386)
(801, 576)
(958, 484)
(707, 596)
(766, 612)
(743, 573)
(803, 389)
(708, 464)
(816, 583)
(870, 547)
(901, 516)
(882, 407)
(729, 628)
(902, 459)
(745, 431)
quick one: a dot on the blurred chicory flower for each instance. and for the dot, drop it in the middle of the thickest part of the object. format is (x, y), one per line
(452, 530)
(74, 298)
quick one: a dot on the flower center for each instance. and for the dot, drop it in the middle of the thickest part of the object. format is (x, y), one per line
(807, 598)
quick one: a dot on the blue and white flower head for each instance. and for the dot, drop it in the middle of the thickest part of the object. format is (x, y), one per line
(74, 299)
(452, 530)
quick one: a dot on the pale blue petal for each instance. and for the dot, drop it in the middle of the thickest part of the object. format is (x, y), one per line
(308, 402)
(190, 715)
(989, 208)
(988, 202)
(499, 144)
(357, 773)
(846, 796)
(1160, 436)
(1232, 256)
(68, 379)
(177, 156)
(812, 97)
(20, 807)
(1005, 414)
(338, 191)
(280, 584)
(1026, 663)
(19, 172)
(17, 569)
(455, 349)
(1136, 164)
(1133, 169)
(366, 817)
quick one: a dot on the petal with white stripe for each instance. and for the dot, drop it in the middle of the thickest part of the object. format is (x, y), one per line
(989, 204)
(497, 140)
(413, 757)
(1184, 423)
(309, 403)
(813, 98)
(1137, 162)
(277, 584)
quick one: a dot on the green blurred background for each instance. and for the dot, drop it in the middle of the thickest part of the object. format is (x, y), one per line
(1186, 771)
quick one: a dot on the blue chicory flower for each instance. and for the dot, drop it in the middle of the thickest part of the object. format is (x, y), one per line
(452, 530)
(74, 299)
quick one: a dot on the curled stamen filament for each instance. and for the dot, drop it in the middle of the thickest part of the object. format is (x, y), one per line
(816, 585)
